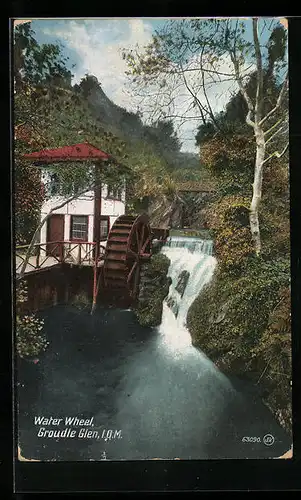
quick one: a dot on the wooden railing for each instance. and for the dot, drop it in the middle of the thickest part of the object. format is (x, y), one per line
(57, 252)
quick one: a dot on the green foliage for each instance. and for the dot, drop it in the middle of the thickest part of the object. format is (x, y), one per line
(30, 340)
(162, 136)
(34, 63)
(232, 313)
(87, 85)
(158, 265)
(29, 195)
(29, 191)
(241, 320)
(243, 323)
(30, 337)
(229, 222)
(81, 302)
(50, 113)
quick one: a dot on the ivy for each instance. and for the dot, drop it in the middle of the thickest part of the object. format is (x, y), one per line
(30, 335)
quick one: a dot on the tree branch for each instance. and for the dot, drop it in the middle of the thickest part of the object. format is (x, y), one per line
(276, 133)
(273, 126)
(259, 90)
(197, 101)
(243, 90)
(184, 117)
(277, 154)
(278, 103)
(206, 97)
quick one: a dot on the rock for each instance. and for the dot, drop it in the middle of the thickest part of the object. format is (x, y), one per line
(154, 287)
(221, 314)
(182, 282)
(173, 305)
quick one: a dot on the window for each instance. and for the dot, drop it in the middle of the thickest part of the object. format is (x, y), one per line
(114, 192)
(79, 227)
(104, 227)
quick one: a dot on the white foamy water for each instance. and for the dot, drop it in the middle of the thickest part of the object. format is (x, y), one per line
(194, 256)
(172, 401)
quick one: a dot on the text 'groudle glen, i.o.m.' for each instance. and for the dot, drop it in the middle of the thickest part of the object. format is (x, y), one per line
(73, 427)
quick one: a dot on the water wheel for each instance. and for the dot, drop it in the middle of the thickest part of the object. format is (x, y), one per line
(128, 244)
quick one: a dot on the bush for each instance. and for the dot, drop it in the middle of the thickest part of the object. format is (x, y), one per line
(229, 222)
(81, 301)
(30, 337)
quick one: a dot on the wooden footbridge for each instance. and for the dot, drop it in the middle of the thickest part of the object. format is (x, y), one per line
(116, 263)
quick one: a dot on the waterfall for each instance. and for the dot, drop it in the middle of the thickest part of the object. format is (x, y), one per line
(193, 256)
(192, 245)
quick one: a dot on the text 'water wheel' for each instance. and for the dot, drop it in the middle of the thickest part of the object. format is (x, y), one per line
(128, 244)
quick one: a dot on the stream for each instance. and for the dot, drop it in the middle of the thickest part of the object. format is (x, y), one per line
(150, 392)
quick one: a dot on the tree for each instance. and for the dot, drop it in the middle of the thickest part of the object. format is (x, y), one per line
(191, 58)
(48, 113)
(87, 85)
(37, 68)
(38, 64)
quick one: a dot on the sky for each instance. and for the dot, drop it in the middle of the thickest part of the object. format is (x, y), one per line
(94, 46)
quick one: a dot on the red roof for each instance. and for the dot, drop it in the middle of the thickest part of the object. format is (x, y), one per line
(76, 152)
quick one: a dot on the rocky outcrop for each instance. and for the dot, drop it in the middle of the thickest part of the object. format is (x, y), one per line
(173, 305)
(166, 211)
(247, 338)
(154, 287)
(182, 282)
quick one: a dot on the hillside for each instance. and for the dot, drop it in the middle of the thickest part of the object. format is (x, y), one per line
(129, 126)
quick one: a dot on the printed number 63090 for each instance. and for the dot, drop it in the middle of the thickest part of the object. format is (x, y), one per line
(251, 439)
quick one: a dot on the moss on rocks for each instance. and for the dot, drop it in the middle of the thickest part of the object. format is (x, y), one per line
(242, 323)
(154, 287)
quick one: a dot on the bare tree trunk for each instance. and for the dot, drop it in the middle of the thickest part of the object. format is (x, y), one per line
(257, 189)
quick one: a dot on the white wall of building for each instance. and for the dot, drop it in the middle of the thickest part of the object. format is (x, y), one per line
(83, 206)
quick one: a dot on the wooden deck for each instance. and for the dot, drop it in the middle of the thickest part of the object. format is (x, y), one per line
(45, 255)
(50, 262)
(74, 254)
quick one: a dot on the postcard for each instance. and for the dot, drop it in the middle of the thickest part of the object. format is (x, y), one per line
(152, 239)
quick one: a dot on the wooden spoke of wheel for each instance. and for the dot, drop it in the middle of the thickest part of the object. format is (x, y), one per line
(137, 239)
(145, 245)
(132, 271)
(127, 240)
(142, 238)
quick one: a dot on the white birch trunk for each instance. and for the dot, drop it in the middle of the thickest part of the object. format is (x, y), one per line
(257, 188)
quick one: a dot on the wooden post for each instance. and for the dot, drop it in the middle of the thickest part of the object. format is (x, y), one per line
(95, 288)
(96, 231)
(61, 251)
(38, 257)
(97, 211)
(79, 256)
